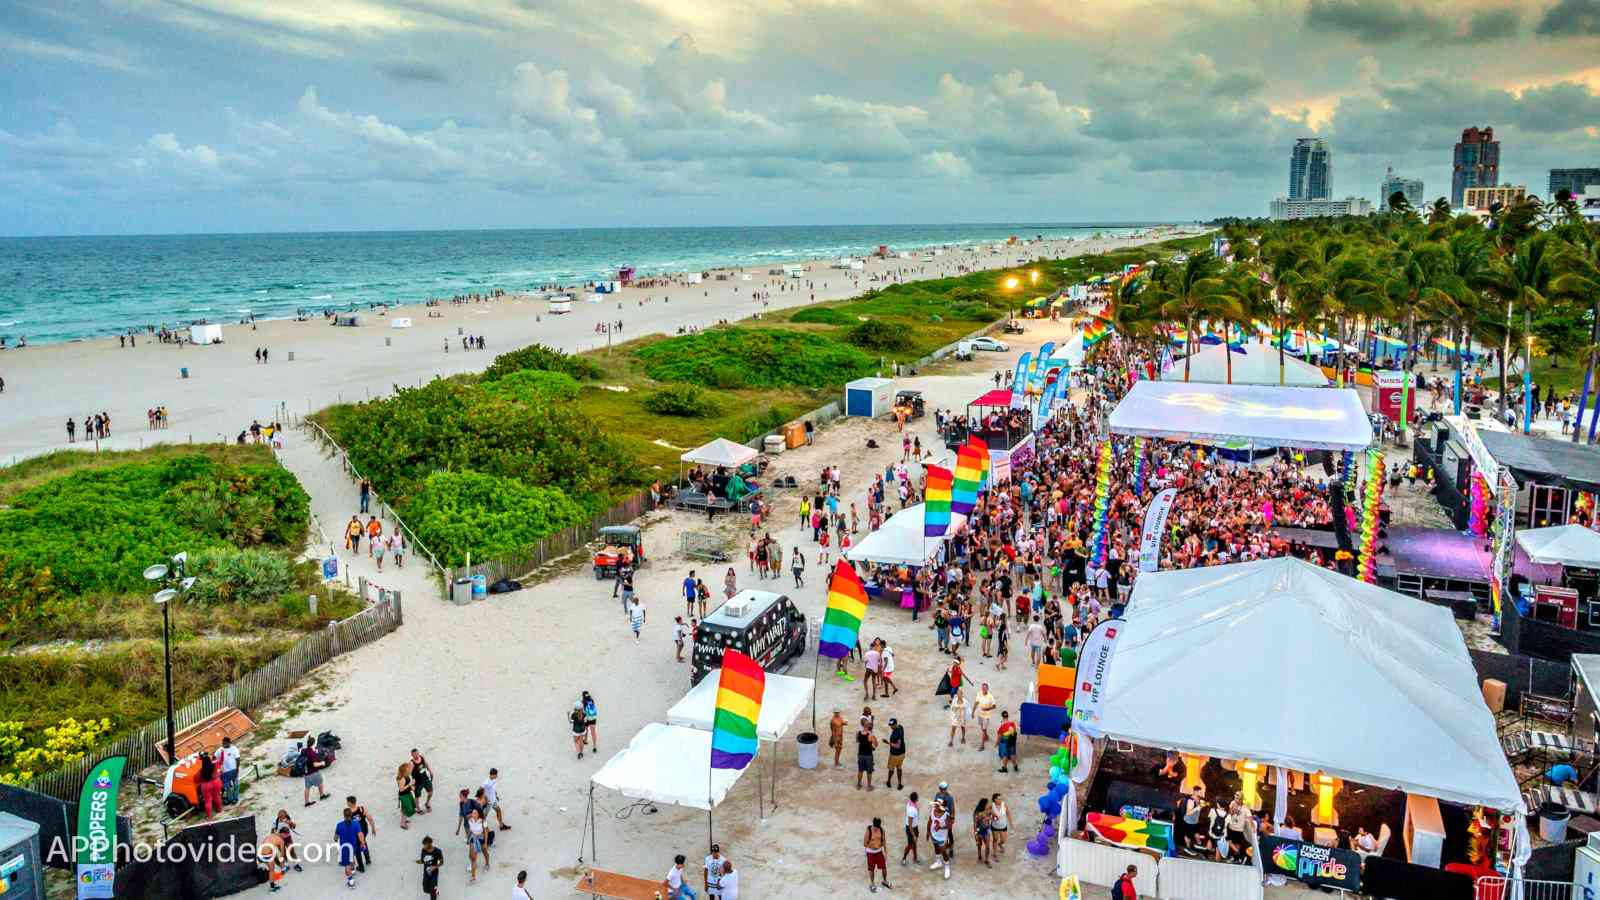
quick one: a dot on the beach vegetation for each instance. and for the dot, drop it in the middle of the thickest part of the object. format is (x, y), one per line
(737, 356)
(539, 358)
(535, 386)
(461, 513)
(876, 334)
(683, 400)
(821, 315)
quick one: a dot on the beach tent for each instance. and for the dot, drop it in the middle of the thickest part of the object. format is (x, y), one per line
(721, 452)
(1257, 365)
(784, 699)
(1214, 662)
(667, 764)
(900, 541)
(1310, 418)
(205, 334)
(1566, 545)
(1073, 350)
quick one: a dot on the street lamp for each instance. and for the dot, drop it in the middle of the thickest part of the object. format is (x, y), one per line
(172, 576)
(1011, 286)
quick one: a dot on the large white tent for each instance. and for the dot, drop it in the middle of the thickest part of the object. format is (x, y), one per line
(1257, 365)
(1310, 418)
(721, 452)
(1288, 664)
(900, 541)
(1566, 545)
(668, 764)
(784, 699)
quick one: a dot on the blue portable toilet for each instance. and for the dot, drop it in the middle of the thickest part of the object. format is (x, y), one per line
(870, 397)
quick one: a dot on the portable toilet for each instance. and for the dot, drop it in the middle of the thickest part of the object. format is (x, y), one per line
(21, 868)
(870, 397)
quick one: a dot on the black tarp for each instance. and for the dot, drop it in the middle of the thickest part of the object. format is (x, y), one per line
(56, 819)
(200, 862)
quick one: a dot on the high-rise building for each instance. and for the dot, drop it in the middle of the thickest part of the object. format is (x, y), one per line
(1481, 199)
(1283, 208)
(1410, 187)
(1574, 180)
(1476, 163)
(1310, 170)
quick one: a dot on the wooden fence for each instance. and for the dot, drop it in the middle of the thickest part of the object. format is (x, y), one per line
(555, 546)
(249, 693)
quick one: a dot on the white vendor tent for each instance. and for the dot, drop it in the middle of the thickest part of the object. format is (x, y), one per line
(1311, 418)
(1073, 351)
(1288, 664)
(900, 541)
(1257, 365)
(668, 764)
(1567, 545)
(721, 452)
(401, 322)
(784, 699)
(205, 334)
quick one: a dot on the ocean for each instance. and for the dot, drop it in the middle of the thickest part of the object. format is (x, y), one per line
(66, 288)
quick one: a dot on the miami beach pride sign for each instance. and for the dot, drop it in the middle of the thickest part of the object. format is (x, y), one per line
(1314, 865)
(94, 847)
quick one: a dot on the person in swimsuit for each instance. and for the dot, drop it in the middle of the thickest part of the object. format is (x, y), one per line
(873, 843)
(980, 830)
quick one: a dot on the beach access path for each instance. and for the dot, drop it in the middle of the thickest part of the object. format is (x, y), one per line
(226, 389)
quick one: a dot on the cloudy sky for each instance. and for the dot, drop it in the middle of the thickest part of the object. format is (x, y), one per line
(138, 116)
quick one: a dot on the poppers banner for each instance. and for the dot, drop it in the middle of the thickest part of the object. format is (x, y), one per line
(936, 500)
(1102, 505)
(1367, 558)
(968, 480)
(733, 727)
(847, 607)
(94, 850)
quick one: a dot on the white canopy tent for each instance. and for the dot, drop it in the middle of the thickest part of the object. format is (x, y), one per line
(900, 541)
(668, 764)
(721, 452)
(1566, 545)
(1312, 418)
(1072, 351)
(1314, 671)
(1257, 365)
(784, 699)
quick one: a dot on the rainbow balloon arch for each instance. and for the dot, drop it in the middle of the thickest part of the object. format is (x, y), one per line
(1367, 557)
(1102, 505)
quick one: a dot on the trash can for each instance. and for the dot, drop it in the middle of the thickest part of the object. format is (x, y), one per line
(388, 342)
(1553, 819)
(184, 371)
(461, 591)
(480, 587)
(291, 356)
(806, 742)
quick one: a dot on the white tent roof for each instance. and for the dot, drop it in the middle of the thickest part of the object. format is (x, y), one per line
(784, 699)
(1312, 418)
(1257, 365)
(1073, 350)
(1567, 545)
(721, 452)
(667, 764)
(1288, 664)
(900, 540)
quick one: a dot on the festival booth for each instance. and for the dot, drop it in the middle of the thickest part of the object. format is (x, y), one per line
(1007, 432)
(1278, 671)
(902, 541)
(1555, 593)
(784, 699)
(1257, 364)
(729, 483)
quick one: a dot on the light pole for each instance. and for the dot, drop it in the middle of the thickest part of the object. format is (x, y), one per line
(172, 576)
(1011, 288)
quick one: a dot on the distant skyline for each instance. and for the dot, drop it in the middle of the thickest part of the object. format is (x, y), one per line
(183, 116)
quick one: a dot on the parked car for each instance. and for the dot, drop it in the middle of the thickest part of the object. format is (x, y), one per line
(765, 626)
(990, 344)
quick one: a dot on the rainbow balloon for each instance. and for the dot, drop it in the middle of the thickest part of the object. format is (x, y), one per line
(1102, 506)
(740, 687)
(1139, 466)
(1367, 558)
(847, 607)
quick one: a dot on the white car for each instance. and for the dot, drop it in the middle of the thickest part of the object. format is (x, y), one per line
(989, 343)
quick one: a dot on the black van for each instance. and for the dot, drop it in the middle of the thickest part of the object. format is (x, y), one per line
(760, 624)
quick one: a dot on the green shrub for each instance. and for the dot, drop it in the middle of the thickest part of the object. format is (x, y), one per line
(540, 358)
(534, 385)
(241, 576)
(875, 334)
(683, 400)
(821, 315)
(486, 515)
(754, 357)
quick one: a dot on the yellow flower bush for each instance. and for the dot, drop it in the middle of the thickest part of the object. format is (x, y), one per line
(64, 742)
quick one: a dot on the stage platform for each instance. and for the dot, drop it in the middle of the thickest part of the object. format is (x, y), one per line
(1435, 563)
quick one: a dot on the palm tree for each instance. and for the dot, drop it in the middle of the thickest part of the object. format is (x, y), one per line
(1455, 293)
(1513, 226)
(1241, 296)
(1185, 291)
(1439, 213)
(1414, 263)
(1581, 279)
(1281, 258)
(1401, 206)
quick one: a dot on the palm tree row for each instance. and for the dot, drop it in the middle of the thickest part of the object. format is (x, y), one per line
(1529, 276)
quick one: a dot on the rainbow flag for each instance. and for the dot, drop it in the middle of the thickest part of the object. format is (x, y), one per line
(733, 726)
(982, 451)
(936, 501)
(1096, 331)
(847, 607)
(968, 479)
(1126, 832)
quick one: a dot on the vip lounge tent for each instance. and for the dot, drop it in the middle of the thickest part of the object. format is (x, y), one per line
(901, 540)
(1310, 418)
(1257, 365)
(1214, 662)
(782, 702)
(721, 452)
(1565, 545)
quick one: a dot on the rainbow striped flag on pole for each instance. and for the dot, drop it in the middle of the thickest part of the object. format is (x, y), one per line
(1096, 331)
(847, 607)
(733, 726)
(936, 501)
(981, 450)
(968, 479)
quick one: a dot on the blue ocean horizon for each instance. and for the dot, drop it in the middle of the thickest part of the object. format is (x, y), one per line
(56, 289)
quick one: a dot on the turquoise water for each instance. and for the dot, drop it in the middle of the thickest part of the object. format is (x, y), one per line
(63, 288)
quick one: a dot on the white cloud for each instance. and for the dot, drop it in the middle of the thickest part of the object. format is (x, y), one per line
(200, 154)
(946, 164)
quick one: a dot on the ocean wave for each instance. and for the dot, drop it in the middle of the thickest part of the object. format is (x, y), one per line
(322, 297)
(261, 292)
(10, 323)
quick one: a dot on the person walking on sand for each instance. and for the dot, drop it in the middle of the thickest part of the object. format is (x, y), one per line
(422, 780)
(352, 535)
(491, 793)
(866, 746)
(580, 728)
(730, 584)
(636, 617)
(368, 829)
(678, 886)
(958, 715)
(897, 756)
(873, 842)
(406, 790)
(374, 531)
(591, 719)
(701, 595)
(797, 565)
(913, 830)
(939, 834)
(72, 430)
(836, 735)
(431, 859)
(1005, 742)
(680, 632)
(690, 593)
(477, 843)
(984, 705)
(886, 683)
(999, 825)
(775, 558)
(350, 839)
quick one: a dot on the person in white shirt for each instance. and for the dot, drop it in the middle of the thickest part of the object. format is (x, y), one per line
(228, 760)
(730, 881)
(677, 888)
(492, 796)
(713, 871)
(520, 892)
(913, 815)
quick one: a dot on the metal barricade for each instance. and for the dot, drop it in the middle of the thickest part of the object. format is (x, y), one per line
(1499, 887)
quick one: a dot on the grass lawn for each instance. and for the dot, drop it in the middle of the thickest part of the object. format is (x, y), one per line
(1564, 374)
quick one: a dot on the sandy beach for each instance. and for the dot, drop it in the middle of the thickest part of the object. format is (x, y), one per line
(226, 388)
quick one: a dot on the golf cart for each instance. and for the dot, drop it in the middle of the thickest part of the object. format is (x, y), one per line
(621, 545)
(910, 405)
(1013, 327)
